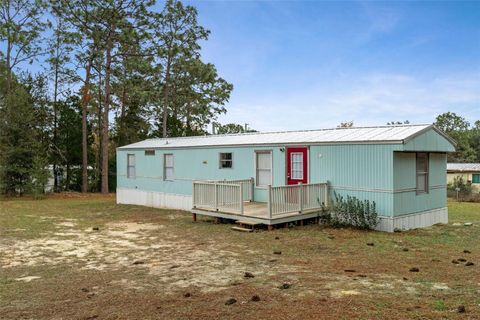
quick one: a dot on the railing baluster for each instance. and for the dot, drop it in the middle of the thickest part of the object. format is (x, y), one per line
(300, 197)
(270, 201)
(216, 197)
(241, 198)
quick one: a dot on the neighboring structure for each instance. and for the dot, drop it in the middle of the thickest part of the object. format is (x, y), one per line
(62, 177)
(401, 168)
(470, 172)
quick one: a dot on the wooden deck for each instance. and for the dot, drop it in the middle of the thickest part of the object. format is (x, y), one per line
(258, 212)
(234, 200)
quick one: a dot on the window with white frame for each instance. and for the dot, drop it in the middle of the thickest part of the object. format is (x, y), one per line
(296, 163)
(168, 167)
(422, 172)
(263, 167)
(226, 160)
(130, 166)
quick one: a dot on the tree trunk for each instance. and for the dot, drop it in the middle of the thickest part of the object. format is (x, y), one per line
(55, 120)
(85, 101)
(9, 67)
(106, 107)
(67, 179)
(165, 100)
(122, 137)
(98, 154)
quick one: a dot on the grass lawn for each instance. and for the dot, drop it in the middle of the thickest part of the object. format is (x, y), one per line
(145, 263)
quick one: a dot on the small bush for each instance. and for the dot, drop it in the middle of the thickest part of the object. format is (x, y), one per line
(461, 184)
(353, 212)
(465, 191)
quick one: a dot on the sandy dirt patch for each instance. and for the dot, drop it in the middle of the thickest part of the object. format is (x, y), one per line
(174, 262)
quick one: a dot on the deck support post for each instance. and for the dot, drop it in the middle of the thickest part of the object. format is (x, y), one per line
(270, 227)
(301, 223)
(194, 216)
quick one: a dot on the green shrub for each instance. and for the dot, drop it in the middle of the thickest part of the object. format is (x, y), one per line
(353, 212)
(460, 183)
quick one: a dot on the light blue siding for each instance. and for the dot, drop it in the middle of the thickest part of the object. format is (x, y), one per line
(384, 173)
(406, 199)
(195, 164)
(429, 140)
(363, 171)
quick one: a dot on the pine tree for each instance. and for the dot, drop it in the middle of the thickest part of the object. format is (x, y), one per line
(22, 162)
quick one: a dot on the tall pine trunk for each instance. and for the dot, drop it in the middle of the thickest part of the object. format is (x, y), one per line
(122, 136)
(55, 120)
(98, 153)
(85, 101)
(165, 100)
(8, 61)
(106, 107)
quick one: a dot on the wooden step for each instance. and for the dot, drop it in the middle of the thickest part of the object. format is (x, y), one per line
(242, 229)
(248, 223)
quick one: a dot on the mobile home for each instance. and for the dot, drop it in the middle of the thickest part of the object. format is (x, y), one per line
(278, 177)
(469, 172)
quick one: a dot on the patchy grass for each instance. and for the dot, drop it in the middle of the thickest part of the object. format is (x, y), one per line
(149, 263)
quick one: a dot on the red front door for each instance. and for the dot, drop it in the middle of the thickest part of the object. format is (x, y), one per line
(297, 164)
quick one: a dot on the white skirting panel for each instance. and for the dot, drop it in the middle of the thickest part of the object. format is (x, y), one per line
(413, 221)
(154, 199)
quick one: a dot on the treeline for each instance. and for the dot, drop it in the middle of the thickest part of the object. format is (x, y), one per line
(465, 134)
(112, 72)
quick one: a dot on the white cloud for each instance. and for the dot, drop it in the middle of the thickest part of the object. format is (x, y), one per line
(369, 100)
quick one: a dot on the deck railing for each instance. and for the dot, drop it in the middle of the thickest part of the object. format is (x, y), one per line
(296, 198)
(247, 187)
(230, 195)
(218, 196)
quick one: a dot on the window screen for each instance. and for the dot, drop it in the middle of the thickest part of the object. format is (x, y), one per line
(422, 172)
(264, 168)
(130, 166)
(168, 167)
(226, 160)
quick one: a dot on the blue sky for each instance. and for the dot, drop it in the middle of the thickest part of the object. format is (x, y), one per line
(306, 65)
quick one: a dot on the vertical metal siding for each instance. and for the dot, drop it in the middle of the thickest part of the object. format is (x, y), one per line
(363, 171)
(429, 141)
(406, 199)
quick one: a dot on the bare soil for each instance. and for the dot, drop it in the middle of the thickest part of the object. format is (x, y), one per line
(83, 257)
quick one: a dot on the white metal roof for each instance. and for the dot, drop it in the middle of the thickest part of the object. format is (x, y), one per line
(463, 167)
(382, 134)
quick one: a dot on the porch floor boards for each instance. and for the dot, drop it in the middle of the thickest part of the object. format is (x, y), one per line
(258, 212)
